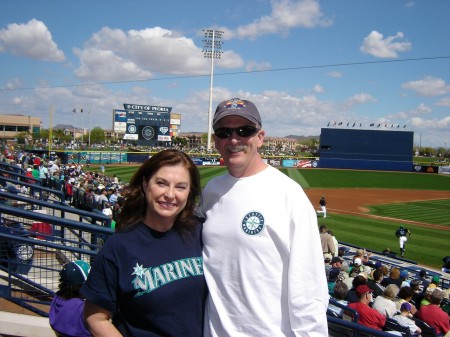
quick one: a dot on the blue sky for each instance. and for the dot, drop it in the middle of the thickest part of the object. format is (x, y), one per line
(305, 64)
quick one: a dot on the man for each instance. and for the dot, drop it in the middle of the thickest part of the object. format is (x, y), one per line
(260, 237)
(327, 242)
(374, 283)
(367, 316)
(433, 315)
(423, 280)
(401, 234)
(333, 273)
(323, 206)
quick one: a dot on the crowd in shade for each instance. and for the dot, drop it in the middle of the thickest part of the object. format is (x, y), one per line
(378, 292)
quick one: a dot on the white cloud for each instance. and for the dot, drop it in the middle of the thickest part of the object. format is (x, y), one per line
(257, 66)
(428, 86)
(335, 74)
(360, 98)
(32, 40)
(318, 89)
(431, 124)
(444, 102)
(285, 15)
(376, 45)
(112, 54)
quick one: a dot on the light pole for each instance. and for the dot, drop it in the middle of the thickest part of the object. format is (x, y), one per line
(82, 129)
(212, 45)
(89, 141)
(74, 125)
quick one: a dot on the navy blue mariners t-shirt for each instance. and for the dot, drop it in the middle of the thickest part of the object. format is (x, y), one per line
(152, 282)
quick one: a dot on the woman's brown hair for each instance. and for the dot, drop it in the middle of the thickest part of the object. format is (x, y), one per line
(135, 206)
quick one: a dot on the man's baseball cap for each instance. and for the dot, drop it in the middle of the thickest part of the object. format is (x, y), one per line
(74, 273)
(363, 289)
(237, 107)
(357, 262)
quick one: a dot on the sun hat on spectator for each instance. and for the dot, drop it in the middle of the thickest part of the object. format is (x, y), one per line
(403, 274)
(357, 261)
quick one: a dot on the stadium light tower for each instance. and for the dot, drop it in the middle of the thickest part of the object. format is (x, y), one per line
(212, 45)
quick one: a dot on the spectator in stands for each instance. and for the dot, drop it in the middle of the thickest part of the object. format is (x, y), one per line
(385, 270)
(363, 255)
(417, 293)
(148, 276)
(426, 300)
(356, 268)
(66, 308)
(385, 304)
(327, 241)
(113, 197)
(404, 318)
(352, 296)
(435, 282)
(67, 190)
(333, 273)
(102, 198)
(335, 241)
(107, 210)
(405, 295)
(43, 174)
(446, 265)
(374, 283)
(339, 293)
(35, 173)
(367, 316)
(393, 278)
(404, 278)
(433, 315)
(53, 168)
(423, 280)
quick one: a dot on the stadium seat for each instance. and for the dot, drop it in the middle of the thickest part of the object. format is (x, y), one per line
(427, 330)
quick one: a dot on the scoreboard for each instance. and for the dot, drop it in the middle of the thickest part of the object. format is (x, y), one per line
(146, 125)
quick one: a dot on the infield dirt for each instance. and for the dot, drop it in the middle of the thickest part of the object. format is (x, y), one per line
(355, 200)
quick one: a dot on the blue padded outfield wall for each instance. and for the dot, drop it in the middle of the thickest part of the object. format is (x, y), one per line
(366, 149)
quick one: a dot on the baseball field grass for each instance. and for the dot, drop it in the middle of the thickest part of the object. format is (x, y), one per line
(427, 245)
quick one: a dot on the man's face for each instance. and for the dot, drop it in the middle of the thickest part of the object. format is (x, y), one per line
(238, 152)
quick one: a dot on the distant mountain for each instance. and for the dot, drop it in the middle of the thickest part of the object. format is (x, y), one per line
(302, 138)
(63, 127)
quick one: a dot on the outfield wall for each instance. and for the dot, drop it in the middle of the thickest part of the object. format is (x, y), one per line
(366, 149)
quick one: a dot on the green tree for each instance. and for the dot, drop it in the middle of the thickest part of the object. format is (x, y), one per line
(97, 135)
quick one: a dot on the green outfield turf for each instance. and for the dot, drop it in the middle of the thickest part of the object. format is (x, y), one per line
(427, 246)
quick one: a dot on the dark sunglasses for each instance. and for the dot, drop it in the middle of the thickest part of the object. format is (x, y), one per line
(242, 131)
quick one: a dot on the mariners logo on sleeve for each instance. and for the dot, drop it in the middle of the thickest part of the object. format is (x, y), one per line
(253, 223)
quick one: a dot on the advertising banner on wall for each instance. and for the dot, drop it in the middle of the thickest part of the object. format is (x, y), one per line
(120, 121)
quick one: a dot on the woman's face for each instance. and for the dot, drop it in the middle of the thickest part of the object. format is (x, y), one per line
(166, 193)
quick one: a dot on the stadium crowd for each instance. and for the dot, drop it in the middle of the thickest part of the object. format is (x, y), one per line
(381, 295)
(378, 294)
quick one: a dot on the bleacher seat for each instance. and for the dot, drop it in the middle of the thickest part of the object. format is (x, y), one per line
(392, 325)
(427, 330)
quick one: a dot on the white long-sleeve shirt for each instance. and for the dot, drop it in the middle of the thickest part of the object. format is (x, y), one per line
(262, 258)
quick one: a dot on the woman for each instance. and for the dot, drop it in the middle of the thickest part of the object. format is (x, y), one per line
(385, 304)
(148, 278)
